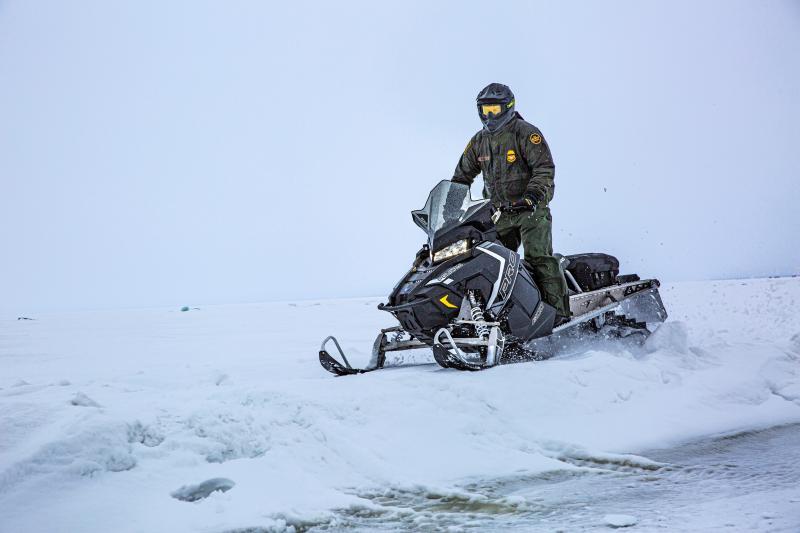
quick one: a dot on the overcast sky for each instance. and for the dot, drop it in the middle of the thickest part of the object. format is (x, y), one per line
(188, 153)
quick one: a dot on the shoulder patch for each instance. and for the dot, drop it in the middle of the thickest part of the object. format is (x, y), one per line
(468, 145)
(536, 138)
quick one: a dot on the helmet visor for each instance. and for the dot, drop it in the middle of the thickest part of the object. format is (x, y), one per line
(495, 109)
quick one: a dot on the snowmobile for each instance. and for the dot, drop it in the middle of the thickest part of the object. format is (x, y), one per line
(475, 304)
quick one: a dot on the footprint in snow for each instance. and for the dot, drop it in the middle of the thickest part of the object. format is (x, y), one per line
(192, 493)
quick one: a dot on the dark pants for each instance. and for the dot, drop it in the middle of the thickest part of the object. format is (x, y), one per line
(535, 232)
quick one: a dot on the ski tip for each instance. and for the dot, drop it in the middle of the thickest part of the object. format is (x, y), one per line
(335, 367)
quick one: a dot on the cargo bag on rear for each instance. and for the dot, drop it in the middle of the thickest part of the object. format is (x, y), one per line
(593, 271)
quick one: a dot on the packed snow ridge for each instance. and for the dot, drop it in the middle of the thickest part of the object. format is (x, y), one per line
(222, 419)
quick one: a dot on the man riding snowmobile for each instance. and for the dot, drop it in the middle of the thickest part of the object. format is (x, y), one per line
(468, 296)
(518, 170)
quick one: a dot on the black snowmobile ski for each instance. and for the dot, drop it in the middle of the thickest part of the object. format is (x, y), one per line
(335, 367)
(378, 359)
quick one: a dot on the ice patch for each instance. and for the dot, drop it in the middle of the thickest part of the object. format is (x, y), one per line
(279, 525)
(192, 493)
(580, 457)
(619, 520)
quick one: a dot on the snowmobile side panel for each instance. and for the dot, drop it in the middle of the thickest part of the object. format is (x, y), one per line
(506, 276)
(430, 296)
(541, 321)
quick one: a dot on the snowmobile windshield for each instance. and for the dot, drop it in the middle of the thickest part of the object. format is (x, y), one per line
(449, 205)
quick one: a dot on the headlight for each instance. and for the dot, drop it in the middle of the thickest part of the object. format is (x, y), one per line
(457, 248)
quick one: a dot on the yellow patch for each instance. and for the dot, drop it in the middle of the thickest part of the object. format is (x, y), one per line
(468, 145)
(511, 156)
(536, 138)
(446, 303)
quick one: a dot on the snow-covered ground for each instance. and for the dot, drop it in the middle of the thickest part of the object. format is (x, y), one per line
(111, 421)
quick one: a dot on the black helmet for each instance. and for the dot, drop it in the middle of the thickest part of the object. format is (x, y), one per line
(495, 106)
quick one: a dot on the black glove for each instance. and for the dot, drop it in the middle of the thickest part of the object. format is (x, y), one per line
(526, 203)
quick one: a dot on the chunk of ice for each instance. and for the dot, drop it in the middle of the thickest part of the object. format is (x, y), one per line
(619, 520)
(192, 493)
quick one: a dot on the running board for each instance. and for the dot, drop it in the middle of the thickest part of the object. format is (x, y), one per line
(637, 300)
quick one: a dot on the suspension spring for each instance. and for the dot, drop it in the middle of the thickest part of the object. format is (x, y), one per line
(477, 315)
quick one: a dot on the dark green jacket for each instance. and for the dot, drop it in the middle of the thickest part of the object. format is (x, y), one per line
(514, 160)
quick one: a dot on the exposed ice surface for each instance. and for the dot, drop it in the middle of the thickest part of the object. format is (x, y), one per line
(619, 520)
(104, 414)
